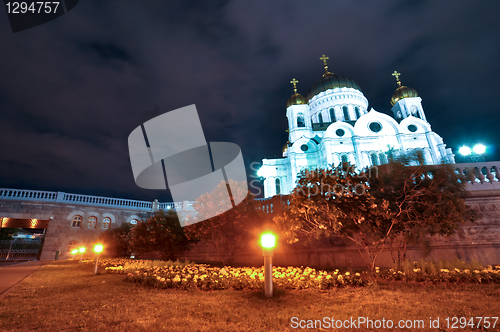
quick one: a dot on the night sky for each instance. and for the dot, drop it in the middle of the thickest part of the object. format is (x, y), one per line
(73, 89)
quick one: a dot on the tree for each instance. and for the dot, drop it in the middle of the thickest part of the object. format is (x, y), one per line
(117, 240)
(227, 230)
(401, 205)
(161, 232)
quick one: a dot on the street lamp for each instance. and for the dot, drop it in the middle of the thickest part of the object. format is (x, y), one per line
(81, 250)
(474, 154)
(73, 252)
(268, 242)
(97, 249)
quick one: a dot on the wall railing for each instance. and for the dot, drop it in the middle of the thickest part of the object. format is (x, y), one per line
(62, 197)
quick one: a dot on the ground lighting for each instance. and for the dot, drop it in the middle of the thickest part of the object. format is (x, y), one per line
(268, 241)
(97, 249)
(81, 250)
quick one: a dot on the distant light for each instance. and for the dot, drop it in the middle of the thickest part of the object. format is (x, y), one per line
(82, 250)
(268, 240)
(98, 248)
(465, 150)
(479, 149)
(74, 251)
(266, 171)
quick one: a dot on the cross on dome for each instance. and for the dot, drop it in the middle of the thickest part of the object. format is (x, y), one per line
(294, 82)
(396, 74)
(325, 64)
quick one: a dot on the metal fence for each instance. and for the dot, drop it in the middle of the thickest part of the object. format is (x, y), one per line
(20, 249)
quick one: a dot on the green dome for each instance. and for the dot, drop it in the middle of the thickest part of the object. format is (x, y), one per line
(296, 99)
(331, 81)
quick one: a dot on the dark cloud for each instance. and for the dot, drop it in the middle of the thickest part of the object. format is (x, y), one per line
(72, 90)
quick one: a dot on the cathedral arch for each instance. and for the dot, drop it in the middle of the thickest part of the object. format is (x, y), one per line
(320, 118)
(374, 159)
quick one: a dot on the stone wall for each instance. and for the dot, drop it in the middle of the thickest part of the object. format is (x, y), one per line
(60, 231)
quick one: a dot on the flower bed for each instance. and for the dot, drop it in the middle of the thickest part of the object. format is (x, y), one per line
(188, 275)
(204, 277)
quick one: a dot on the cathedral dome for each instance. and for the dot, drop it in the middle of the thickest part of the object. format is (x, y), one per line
(331, 81)
(296, 99)
(401, 93)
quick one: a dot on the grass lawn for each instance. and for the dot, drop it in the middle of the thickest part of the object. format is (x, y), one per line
(66, 296)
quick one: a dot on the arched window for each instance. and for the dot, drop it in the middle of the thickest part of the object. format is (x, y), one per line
(332, 115)
(105, 223)
(320, 118)
(77, 221)
(133, 222)
(346, 113)
(92, 222)
(415, 112)
(72, 245)
(300, 120)
(374, 159)
(278, 187)
(344, 158)
(383, 158)
(358, 115)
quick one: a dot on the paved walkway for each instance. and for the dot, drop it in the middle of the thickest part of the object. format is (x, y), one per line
(11, 274)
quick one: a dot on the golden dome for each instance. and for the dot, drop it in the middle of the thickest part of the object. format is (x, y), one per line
(403, 92)
(296, 99)
(285, 148)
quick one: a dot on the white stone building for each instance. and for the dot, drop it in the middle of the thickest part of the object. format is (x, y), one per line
(332, 124)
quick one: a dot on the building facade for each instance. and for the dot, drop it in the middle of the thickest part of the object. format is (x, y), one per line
(332, 124)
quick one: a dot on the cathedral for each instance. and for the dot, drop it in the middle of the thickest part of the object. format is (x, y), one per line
(332, 124)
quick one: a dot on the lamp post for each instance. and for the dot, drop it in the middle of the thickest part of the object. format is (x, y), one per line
(97, 249)
(81, 250)
(73, 252)
(268, 241)
(474, 154)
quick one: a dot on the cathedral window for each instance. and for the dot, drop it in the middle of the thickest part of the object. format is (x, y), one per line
(77, 221)
(304, 147)
(346, 113)
(332, 115)
(358, 115)
(300, 120)
(383, 158)
(343, 158)
(133, 222)
(320, 118)
(92, 222)
(374, 159)
(278, 187)
(412, 128)
(340, 132)
(375, 127)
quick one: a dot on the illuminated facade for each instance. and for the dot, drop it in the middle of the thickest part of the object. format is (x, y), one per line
(332, 124)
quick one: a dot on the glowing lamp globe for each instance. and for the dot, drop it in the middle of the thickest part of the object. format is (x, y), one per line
(479, 149)
(98, 248)
(268, 240)
(465, 150)
(74, 251)
(82, 250)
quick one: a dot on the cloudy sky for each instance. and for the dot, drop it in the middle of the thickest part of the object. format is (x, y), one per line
(73, 89)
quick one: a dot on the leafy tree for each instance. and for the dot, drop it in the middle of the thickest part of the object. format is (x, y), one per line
(227, 230)
(401, 205)
(161, 232)
(117, 240)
